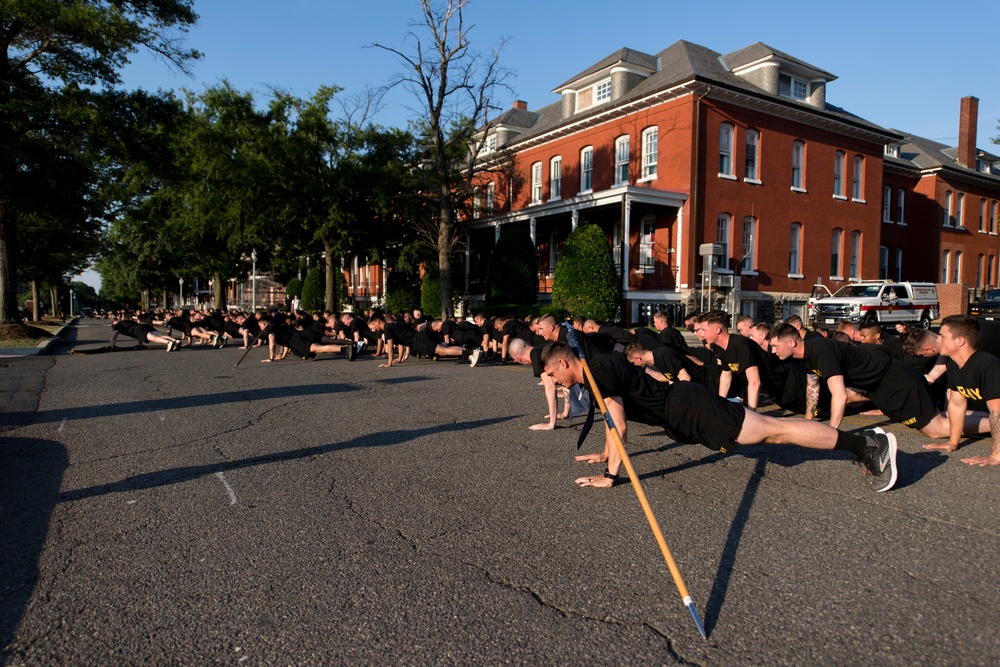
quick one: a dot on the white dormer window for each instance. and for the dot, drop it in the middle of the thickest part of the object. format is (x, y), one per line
(892, 150)
(602, 91)
(789, 86)
(490, 145)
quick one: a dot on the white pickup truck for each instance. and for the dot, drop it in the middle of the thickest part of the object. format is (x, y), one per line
(878, 301)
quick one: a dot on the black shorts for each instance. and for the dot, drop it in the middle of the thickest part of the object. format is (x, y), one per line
(143, 330)
(904, 395)
(696, 415)
(299, 344)
(423, 344)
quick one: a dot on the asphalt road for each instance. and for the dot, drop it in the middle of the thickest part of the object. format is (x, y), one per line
(169, 509)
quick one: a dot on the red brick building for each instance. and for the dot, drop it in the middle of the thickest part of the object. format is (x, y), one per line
(688, 147)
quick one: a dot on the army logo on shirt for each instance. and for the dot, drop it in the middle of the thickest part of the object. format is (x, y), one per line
(971, 394)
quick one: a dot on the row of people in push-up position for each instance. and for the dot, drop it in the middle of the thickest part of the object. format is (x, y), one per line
(658, 378)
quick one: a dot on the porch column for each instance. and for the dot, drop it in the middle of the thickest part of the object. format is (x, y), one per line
(679, 252)
(496, 229)
(626, 246)
(533, 228)
(574, 219)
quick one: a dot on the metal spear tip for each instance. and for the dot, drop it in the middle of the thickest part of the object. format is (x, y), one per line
(694, 615)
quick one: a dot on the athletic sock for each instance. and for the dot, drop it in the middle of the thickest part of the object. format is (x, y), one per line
(853, 443)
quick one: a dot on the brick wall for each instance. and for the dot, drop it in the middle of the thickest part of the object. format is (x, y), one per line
(954, 299)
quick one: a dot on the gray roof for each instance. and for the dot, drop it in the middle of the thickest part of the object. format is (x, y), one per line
(518, 118)
(921, 153)
(622, 55)
(760, 51)
(684, 62)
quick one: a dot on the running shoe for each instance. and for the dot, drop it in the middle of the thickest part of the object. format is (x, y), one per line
(223, 339)
(880, 460)
(215, 341)
(474, 357)
(352, 352)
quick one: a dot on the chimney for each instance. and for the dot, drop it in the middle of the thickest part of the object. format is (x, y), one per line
(521, 104)
(967, 123)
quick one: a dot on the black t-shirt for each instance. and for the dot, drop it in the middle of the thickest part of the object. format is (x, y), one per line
(517, 329)
(672, 337)
(359, 325)
(978, 380)
(861, 369)
(671, 362)
(738, 356)
(180, 324)
(894, 346)
(617, 334)
(773, 373)
(399, 334)
(643, 397)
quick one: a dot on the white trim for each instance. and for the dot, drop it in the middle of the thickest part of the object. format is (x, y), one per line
(752, 181)
(647, 179)
(749, 273)
(838, 278)
(796, 276)
(858, 201)
(728, 177)
(837, 197)
(802, 190)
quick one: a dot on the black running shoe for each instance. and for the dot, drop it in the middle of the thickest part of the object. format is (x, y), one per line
(880, 460)
(352, 353)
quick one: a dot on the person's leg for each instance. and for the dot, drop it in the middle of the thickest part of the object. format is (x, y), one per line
(759, 429)
(446, 351)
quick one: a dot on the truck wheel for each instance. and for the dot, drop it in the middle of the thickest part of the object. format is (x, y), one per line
(925, 320)
(869, 319)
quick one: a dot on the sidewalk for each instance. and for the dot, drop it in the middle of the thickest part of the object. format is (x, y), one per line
(41, 348)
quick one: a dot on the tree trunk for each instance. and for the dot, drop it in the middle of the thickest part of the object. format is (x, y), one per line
(446, 235)
(330, 287)
(9, 312)
(53, 297)
(220, 293)
(35, 315)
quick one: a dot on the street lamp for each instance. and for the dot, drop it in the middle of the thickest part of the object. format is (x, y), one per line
(253, 279)
(180, 299)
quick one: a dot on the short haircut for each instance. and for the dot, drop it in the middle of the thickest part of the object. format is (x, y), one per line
(764, 327)
(517, 347)
(556, 351)
(716, 317)
(843, 337)
(744, 319)
(633, 348)
(378, 317)
(915, 339)
(785, 330)
(579, 321)
(964, 326)
(794, 319)
(844, 326)
(872, 325)
(662, 315)
(549, 319)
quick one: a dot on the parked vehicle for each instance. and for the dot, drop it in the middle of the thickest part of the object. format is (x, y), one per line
(883, 302)
(988, 306)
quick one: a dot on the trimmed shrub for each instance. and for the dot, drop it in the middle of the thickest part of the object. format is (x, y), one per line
(293, 288)
(313, 291)
(430, 294)
(585, 282)
(512, 277)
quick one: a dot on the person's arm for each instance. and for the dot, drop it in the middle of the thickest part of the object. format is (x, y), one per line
(936, 372)
(957, 405)
(390, 350)
(549, 383)
(503, 347)
(994, 458)
(611, 454)
(753, 387)
(725, 381)
(270, 349)
(812, 395)
(114, 337)
(656, 375)
(838, 399)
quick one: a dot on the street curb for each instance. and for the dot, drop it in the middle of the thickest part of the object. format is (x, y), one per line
(41, 348)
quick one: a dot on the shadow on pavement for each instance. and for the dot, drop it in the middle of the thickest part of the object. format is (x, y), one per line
(179, 475)
(180, 402)
(31, 472)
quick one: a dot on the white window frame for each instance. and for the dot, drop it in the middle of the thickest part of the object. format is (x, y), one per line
(647, 240)
(587, 169)
(798, 165)
(982, 216)
(554, 251)
(854, 268)
(901, 207)
(723, 230)
(751, 162)
(838, 175)
(887, 203)
(858, 181)
(947, 209)
(602, 91)
(536, 183)
(957, 267)
(795, 250)
(749, 256)
(946, 266)
(555, 178)
(650, 152)
(621, 160)
(960, 211)
(491, 197)
(836, 254)
(476, 203)
(727, 136)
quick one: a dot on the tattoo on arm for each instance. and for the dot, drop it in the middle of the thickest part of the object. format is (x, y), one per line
(995, 431)
(812, 395)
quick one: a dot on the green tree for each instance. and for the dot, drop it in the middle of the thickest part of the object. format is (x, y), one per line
(513, 271)
(457, 89)
(585, 282)
(56, 54)
(430, 293)
(293, 288)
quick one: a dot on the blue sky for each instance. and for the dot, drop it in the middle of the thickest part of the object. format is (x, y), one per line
(903, 65)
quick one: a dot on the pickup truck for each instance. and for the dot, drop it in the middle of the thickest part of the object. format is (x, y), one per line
(882, 302)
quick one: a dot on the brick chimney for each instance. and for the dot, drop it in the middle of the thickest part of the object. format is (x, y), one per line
(967, 123)
(521, 104)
